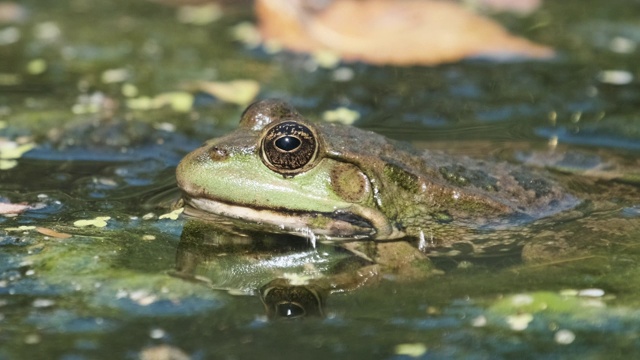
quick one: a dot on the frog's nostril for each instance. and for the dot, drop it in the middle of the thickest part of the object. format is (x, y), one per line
(218, 154)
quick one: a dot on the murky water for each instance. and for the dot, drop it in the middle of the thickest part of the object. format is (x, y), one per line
(69, 68)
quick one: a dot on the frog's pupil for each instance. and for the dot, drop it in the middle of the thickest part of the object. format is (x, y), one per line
(289, 310)
(287, 143)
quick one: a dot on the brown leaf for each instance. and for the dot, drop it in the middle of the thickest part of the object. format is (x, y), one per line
(52, 233)
(399, 32)
(12, 209)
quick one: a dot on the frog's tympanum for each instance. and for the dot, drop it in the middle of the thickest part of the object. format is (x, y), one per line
(280, 174)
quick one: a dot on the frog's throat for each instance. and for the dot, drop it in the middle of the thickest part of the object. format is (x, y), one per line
(356, 222)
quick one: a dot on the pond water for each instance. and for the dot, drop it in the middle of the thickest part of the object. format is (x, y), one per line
(74, 75)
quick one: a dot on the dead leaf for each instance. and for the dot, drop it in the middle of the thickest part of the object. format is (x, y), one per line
(52, 233)
(12, 209)
(399, 32)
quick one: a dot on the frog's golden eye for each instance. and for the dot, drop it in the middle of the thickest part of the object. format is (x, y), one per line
(288, 148)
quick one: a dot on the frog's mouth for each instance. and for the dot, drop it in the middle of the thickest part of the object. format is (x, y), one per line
(353, 223)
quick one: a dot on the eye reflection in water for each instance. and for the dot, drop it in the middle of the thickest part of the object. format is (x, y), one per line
(292, 278)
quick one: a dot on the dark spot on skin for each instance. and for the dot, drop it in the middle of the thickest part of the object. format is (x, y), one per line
(539, 186)
(461, 176)
(218, 154)
(404, 179)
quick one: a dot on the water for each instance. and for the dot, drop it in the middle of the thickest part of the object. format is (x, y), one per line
(108, 292)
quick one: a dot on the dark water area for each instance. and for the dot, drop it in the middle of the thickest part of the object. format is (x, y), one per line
(93, 123)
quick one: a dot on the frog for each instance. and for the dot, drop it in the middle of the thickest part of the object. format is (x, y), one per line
(332, 182)
(394, 206)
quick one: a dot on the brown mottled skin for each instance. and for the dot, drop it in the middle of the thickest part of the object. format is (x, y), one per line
(420, 191)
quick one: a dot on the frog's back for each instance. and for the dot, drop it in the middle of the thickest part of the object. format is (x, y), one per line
(447, 198)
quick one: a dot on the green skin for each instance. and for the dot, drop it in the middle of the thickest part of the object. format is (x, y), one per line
(361, 185)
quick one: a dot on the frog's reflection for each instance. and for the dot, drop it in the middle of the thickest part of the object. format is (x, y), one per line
(291, 277)
(282, 300)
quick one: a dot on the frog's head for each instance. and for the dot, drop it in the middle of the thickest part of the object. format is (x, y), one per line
(276, 169)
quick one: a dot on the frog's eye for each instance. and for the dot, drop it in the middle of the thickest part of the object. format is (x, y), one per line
(288, 147)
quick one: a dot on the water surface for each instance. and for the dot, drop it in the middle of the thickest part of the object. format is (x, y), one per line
(107, 292)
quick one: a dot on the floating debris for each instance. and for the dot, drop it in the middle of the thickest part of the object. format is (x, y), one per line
(591, 292)
(111, 76)
(100, 222)
(37, 66)
(163, 352)
(246, 33)
(174, 215)
(9, 35)
(43, 303)
(12, 12)
(519, 322)
(20, 228)
(10, 151)
(14, 209)
(564, 337)
(411, 349)
(342, 115)
(199, 15)
(615, 77)
(180, 101)
(52, 233)
(241, 92)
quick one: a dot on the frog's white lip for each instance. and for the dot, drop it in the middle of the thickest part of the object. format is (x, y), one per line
(338, 227)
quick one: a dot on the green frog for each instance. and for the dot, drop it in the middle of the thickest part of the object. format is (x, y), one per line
(335, 182)
(283, 175)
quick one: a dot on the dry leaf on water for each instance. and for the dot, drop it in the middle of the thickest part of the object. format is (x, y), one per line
(52, 233)
(12, 209)
(398, 32)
